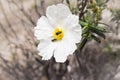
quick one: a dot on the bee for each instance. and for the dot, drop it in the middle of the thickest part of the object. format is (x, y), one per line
(57, 33)
(53, 40)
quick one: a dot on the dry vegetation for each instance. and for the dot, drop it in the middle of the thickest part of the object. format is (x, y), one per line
(18, 55)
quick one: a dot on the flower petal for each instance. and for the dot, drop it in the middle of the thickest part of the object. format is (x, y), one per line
(74, 31)
(46, 49)
(57, 13)
(71, 21)
(43, 29)
(64, 48)
(58, 16)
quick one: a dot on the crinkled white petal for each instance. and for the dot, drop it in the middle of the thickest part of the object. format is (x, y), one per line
(71, 21)
(43, 29)
(76, 33)
(56, 13)
(73, 28)
(43, 44)
(64, 48)
(46, 49)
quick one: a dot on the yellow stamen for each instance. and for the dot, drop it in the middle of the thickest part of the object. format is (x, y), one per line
(58, 33)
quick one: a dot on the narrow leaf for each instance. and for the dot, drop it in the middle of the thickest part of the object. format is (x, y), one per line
(97, 32)
(96, 38)
(83, 42)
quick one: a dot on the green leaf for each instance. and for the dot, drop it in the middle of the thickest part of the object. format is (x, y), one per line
(96, 38)
(98, 32)
(83, 42)
(85, 30)
(97, 28)
(101, 29)
(82, 23)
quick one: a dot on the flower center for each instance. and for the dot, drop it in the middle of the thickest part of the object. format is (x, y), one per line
(58, 34)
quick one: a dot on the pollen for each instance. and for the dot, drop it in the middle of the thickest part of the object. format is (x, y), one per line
(58, 33)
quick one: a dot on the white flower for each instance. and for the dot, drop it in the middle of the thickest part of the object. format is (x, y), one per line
(58, 32)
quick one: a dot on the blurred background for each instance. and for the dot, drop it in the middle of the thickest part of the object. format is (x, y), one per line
(18, 54)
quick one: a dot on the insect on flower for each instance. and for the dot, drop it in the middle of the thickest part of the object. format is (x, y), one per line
(58, 32)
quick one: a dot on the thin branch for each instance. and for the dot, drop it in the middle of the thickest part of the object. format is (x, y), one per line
(36, 8)
(5, 32)
(84, 3)
(6, 18)
(23, 11)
